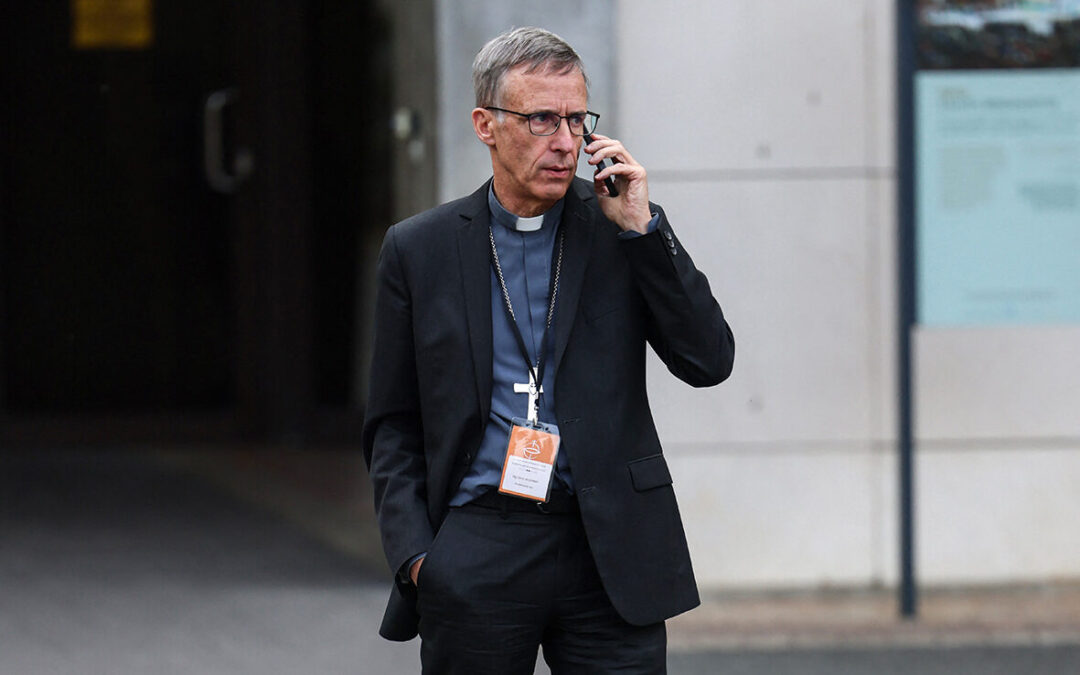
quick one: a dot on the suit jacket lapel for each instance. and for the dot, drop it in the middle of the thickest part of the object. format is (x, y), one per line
(577, 223)
(474, 251)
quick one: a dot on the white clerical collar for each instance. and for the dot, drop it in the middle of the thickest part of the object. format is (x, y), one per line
(512, 221)
(529, 224)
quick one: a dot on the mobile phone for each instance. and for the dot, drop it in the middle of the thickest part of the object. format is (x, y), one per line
(609, 181)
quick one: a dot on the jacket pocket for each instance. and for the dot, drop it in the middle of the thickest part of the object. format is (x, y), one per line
(435, 543)
(595, 314)
(649, 472)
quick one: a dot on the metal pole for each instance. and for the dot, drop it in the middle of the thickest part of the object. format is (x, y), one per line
(905, 44)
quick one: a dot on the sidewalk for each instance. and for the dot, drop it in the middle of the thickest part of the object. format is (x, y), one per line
(110, 563)
(999, 616)
(295, 485)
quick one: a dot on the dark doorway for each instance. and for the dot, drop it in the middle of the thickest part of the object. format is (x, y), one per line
(179, 215)
(117, 257)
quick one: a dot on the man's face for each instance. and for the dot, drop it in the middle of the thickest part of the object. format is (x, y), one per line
(533, 172)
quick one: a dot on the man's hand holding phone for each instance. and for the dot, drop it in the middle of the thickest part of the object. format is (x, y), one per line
(629, 206)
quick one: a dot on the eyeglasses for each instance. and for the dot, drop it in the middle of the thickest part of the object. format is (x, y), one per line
(547, 123)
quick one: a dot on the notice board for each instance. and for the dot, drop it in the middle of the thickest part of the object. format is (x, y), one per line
(996, 99)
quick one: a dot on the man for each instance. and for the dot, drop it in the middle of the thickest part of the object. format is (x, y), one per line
(521, 491)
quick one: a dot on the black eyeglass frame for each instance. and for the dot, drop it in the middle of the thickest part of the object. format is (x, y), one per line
(586, 130)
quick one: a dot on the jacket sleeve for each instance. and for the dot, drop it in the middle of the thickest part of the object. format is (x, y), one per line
(393, 436)
(687, 328)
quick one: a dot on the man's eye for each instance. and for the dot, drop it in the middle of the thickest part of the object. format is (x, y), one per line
(541, 118)
(576, 120)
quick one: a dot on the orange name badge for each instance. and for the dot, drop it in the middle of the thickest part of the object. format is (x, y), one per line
(530, 461)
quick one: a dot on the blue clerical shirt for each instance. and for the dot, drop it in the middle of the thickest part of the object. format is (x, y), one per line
(526, 247)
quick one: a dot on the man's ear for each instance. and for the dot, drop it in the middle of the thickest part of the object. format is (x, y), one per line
(483, 122)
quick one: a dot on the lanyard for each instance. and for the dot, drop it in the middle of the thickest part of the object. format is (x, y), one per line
(536, 374)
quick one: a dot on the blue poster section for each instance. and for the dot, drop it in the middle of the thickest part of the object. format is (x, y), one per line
(997, 196)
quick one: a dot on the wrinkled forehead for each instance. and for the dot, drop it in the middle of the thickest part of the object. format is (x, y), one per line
(545, 80)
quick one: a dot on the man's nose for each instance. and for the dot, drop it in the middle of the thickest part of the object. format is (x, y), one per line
(562, 139)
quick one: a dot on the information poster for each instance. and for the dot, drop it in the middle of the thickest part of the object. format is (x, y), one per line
(997, 164)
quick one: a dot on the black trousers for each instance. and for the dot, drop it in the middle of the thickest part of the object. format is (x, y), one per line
(496, 585)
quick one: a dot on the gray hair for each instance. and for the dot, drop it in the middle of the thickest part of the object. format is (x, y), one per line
(535, 47)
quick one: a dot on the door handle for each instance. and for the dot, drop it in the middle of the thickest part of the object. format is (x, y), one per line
(222, 179)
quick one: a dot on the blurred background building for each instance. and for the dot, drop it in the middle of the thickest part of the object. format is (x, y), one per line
(193, 194)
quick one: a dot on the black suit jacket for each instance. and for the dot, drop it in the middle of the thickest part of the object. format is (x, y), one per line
(430, 391)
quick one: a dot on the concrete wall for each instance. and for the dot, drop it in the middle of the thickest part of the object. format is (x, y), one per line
(768, 132)
(777, 170)
(776, 162)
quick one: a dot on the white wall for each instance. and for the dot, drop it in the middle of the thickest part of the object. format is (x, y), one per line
(775, 164)
(768, 132)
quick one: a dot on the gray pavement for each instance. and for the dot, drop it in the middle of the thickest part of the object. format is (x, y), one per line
(113, 564)
(109, 565)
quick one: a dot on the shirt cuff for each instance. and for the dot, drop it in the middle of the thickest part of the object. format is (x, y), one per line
(634, 234)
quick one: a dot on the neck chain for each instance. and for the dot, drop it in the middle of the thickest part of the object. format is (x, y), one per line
(537, 372)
